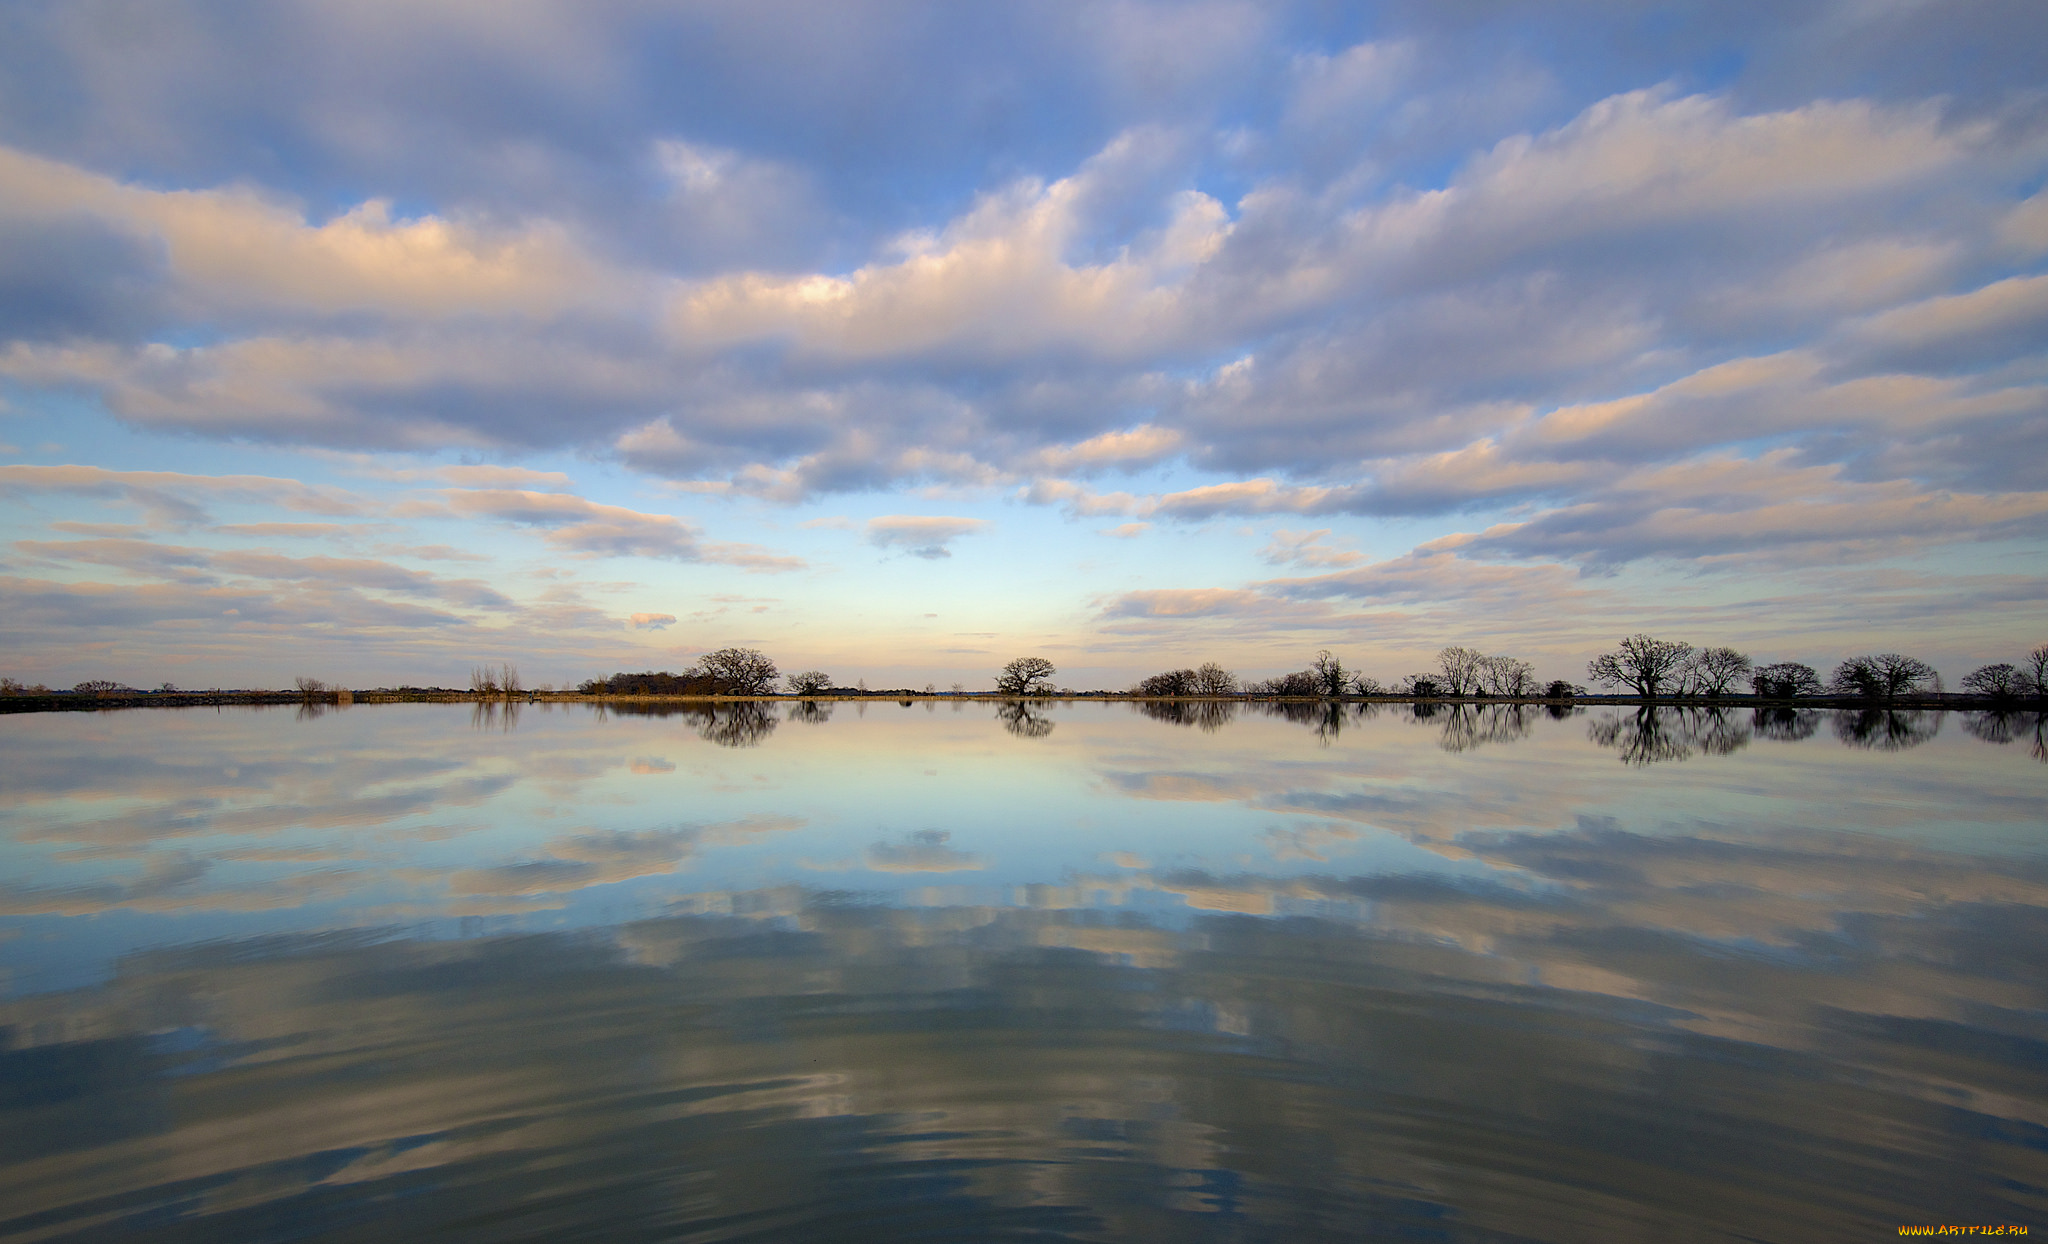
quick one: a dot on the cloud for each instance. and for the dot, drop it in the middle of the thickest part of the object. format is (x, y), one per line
(652, 621)
(922, 852)
(924, 536)
(575, 524)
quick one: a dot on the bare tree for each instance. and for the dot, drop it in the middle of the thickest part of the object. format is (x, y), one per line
(1506, 676)
(1715, 670)
(483, 680)
(1785, 680)
(1169, 683)
(1461, 670)
(2000, 682)
(1559, 689)
(508, 679)
(1642, 663)
(2037, 668)
(739, 671)
(1883, 676)
(309, 687)
(1366, 684)
(1331, 676)
(809, 682)
(1213, 679)
(1026, 676)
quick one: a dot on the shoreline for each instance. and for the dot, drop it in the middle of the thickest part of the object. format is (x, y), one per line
(73, 702)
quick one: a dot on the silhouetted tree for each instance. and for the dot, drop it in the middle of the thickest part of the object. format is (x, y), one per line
(1299, 683)
(1507, 676)
(739, 671)
(1559, 689)
(1330, 675)
(1883, 676)
(809, 682)
(1026, 676)
(1642, 663)
(308, 688)
(1170, 683)
(1366, 684)
(1460, 670)
(1714, 670)
(1422, 686)
(98, 686)
(1786, 680)
(1213, 679)
(2036, 668)
(2000, 682)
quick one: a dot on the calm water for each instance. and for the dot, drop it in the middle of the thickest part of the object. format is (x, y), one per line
(944, 972)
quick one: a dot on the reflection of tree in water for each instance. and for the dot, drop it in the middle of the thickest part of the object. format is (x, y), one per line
(1326, 717)
(741, 724)
(1204, 715)
(1019, 719)
(1784, 724)
(495, 715)
(1658, 735)
(1467, 726)
(810, 712)
(1886, 729)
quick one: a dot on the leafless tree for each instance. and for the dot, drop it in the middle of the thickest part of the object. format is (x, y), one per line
(1330, 675)
(2000, 682)
(1366, 684)
(809, 682)
(1026, 676)
(2037, 668)
(483, 680)
(508, 679)
(1883, 676)
(1506, 676)
(1785, 680)
(97, 686)
(739, 671)
(1714, 671)
(1559, 689)
(1213, 679)
(1460, 670)
(309, 688)
(1170, 683)
(1643, 663)
(1299, 683)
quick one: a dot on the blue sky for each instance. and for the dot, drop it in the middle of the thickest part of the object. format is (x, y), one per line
(372, 341)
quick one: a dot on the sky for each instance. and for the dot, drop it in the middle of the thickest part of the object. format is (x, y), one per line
(373, 341)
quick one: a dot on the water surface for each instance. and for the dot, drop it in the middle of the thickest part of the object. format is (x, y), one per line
(1079, 971)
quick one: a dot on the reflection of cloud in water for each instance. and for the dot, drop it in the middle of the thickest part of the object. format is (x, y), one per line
(1447, 1062)
(650, 764)
(922, 852)
(579, 861)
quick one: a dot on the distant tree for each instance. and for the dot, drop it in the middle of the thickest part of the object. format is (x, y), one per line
(10, 686)
(1330, 675)
(1883, 676)
(739, 671)
(1642, 663)
(1507, 676)
(1170, 683)
(2036, 668)
(1559, 689)
(1785, 680)
(1714, 670)
(1423, 686)
(483, 680)
(1366, 684)
(309, 687)
(1299, 683)
(809, 682)
(508, 679)
(97, 686)
(1026, 676)
(1460, 668)
(1213, 679)
(2000, 682)
(167, 686)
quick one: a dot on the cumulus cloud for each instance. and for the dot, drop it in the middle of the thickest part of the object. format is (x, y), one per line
(924, 536)
(576, 524)
(653, 621)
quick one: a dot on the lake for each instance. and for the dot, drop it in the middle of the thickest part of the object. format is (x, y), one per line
(962, 971)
